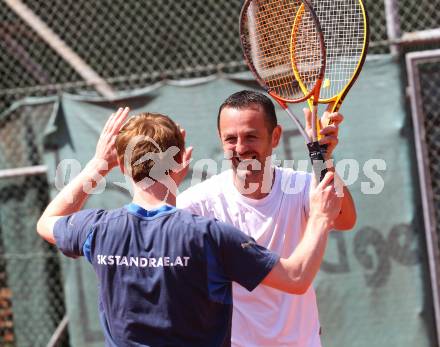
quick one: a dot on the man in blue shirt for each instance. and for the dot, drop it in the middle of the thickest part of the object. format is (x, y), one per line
(164, 274)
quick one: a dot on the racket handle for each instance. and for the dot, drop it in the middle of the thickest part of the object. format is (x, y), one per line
(324, 149)
(317, 159)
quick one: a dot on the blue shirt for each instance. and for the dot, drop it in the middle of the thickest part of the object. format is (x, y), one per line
(164, 275)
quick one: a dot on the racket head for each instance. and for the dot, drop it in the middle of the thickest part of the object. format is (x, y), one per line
(346, 33)
(265, 35)
(306, 48)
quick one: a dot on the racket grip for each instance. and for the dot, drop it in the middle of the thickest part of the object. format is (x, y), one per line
(323, 149)
(318, 162)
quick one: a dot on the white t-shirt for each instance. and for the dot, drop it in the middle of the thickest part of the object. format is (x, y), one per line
(264, 317)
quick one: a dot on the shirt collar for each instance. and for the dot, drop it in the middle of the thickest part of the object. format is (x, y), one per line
(140, 211)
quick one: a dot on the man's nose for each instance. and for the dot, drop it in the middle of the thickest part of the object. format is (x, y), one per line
(241, 147)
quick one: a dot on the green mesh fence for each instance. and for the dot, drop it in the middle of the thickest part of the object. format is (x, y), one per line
(430, 85)
(31, 294)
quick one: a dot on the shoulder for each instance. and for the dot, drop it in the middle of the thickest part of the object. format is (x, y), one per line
(298, 181)
(107, 216)
(71, 232)
(186, 217)
(92, 218)
(215, 228)
(206, 190)
(88, 216)
(292, 174)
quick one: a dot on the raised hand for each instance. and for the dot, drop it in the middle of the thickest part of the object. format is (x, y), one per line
(329, 129)
(325, 199)
(105, 148)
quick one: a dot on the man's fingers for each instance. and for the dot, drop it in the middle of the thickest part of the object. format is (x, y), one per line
(333, 118)
(182, 130)
(186, 160)
(119, 119)
(122, 118)
(188, 153)
(329, 140)
(339, 186)
(308, 116)
(331, 129)
(337, 118)
(327, 180)
(110, 121)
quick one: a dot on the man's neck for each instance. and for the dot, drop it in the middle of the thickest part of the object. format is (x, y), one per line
(258, 189)
(153, 197)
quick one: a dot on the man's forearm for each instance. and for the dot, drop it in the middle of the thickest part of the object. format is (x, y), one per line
(72, 197)
(347, 219)
(295, 274)
(304, 263)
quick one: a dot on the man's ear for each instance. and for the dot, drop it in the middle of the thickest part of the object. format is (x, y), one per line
(276, 135)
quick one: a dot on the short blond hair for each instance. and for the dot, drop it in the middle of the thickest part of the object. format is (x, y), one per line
(154, 133)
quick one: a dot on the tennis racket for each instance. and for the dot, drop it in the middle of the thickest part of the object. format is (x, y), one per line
(266, 40)
(299, 38)
(346, 35)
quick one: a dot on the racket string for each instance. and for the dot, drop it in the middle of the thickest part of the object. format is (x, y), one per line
(267, 46)
(274, 43)
(343, 28)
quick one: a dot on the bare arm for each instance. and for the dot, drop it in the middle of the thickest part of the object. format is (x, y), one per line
(73, 196)
(296, 273)
(347, 218)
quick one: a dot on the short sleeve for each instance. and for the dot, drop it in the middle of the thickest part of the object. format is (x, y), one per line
(242, 259)
(71, 232)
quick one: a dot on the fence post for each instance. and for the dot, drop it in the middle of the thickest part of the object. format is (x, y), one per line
(393, 25)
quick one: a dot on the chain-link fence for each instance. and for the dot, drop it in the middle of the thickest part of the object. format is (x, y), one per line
(418, 15)
(430, 85)
(31, 294)
(424, 83)
(134, 43)
(46, 46)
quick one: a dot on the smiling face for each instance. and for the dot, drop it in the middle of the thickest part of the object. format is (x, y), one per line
(246, 135)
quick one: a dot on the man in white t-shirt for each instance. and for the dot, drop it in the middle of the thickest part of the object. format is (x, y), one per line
(270, 204)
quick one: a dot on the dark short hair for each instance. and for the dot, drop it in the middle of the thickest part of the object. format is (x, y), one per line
(247, 98)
